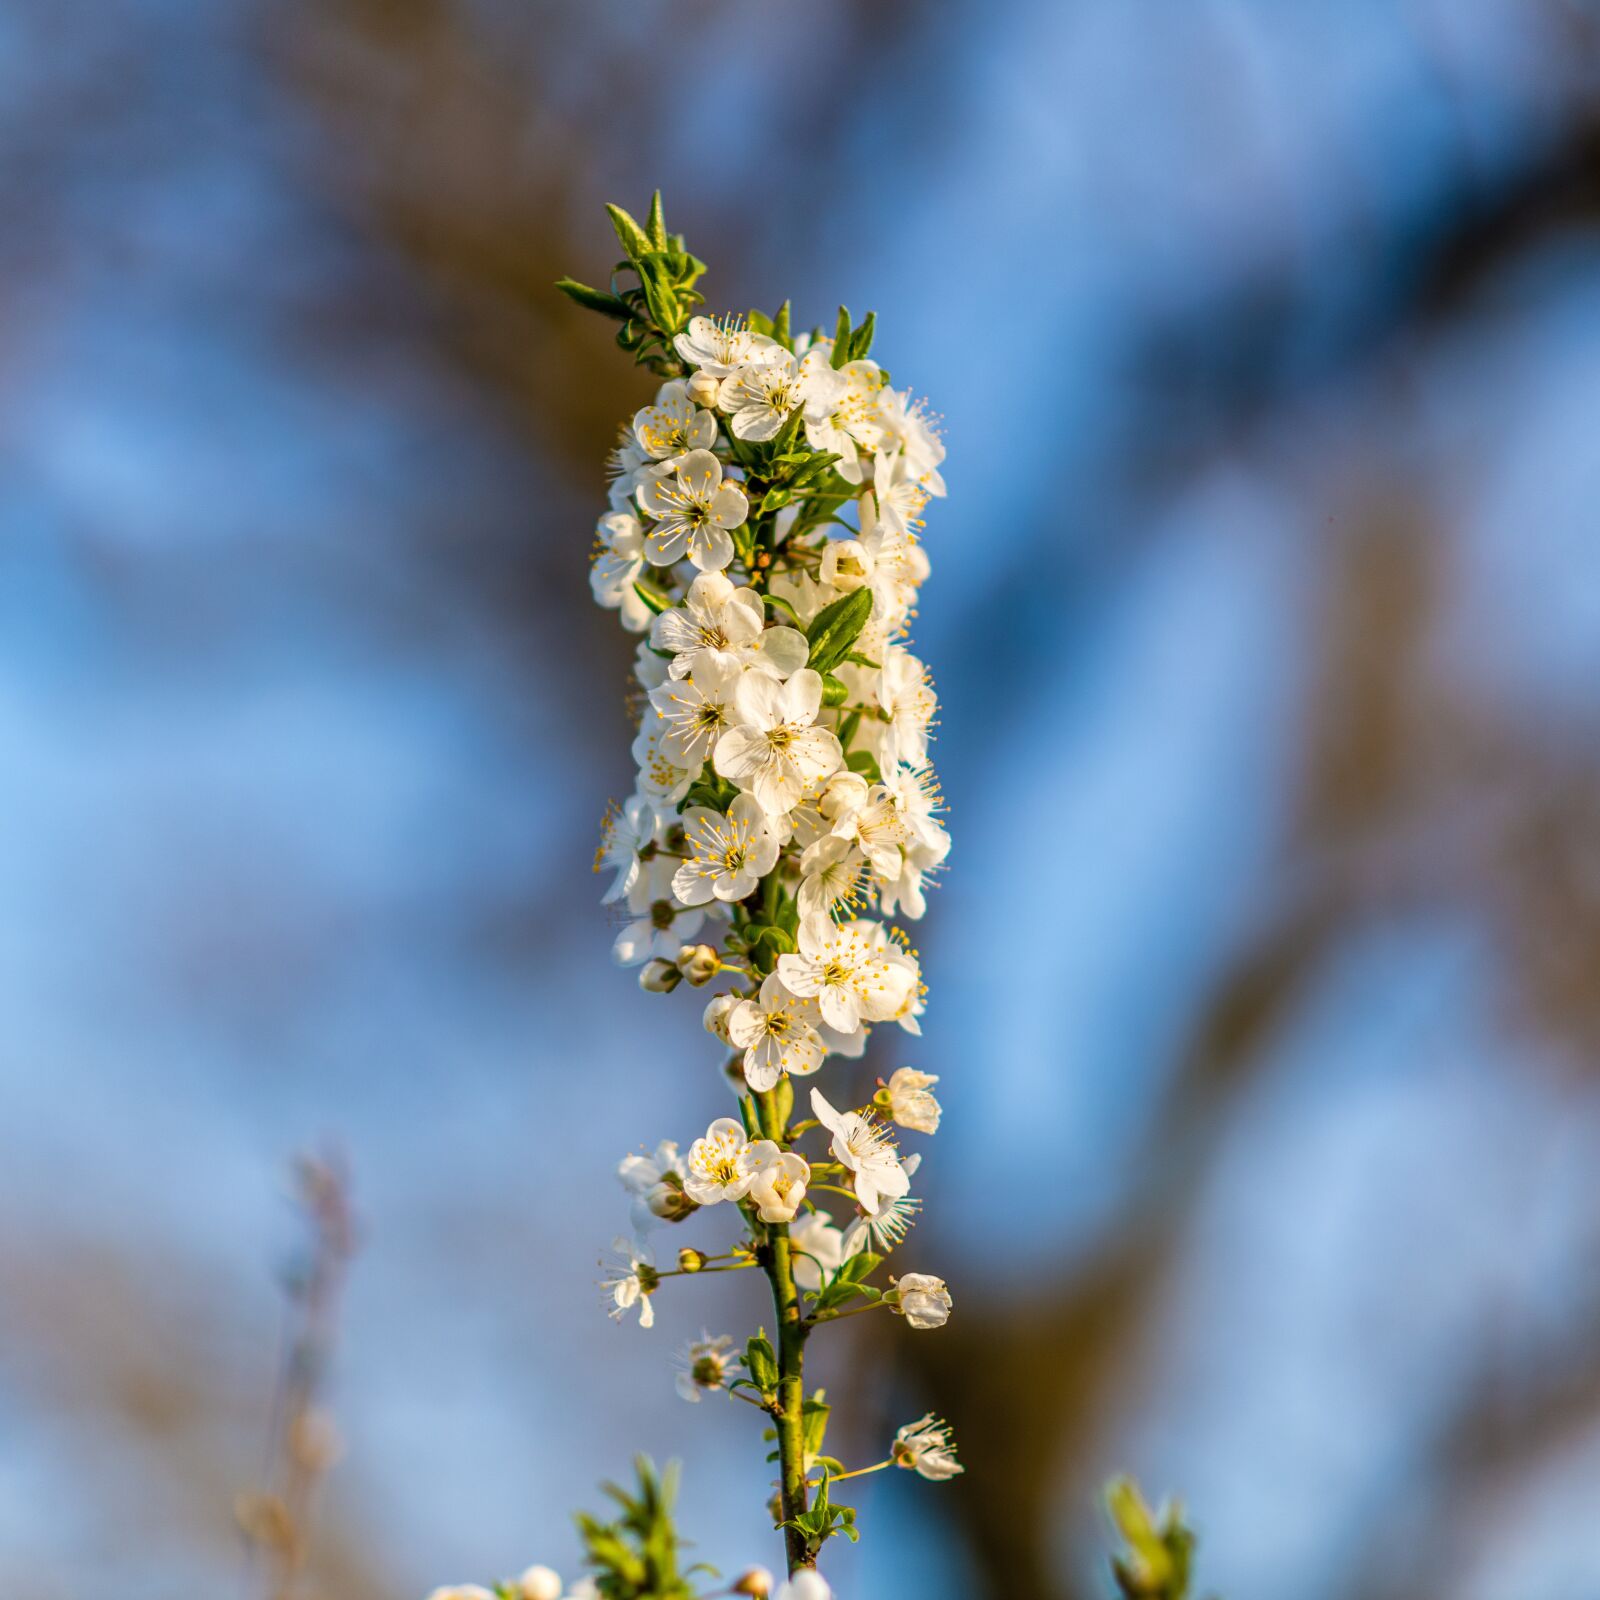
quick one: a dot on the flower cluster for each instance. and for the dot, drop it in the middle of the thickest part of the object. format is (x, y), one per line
(764, 540)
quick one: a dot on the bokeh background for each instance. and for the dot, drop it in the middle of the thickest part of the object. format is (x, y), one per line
(1266, 617)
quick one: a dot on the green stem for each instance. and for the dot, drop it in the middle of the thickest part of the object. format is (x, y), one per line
(792, 1330)
(860, 1472)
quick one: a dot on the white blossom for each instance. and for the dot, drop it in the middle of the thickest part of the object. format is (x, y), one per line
(631, 1281)
(774, 751)
(729, 854)
(718, 347)
(922, 1300)
(779, 1182)
(674, 425)
(864, 1148)
(910, 1103)
(655, 1182)
(777, 1032)
(817, 1249)
(926, 1446)
(698, 710)
(718, 622)
(704, 1366)
(762, 395)
(717, 1165)
(851, 970)
(617, 566)
(694, 509)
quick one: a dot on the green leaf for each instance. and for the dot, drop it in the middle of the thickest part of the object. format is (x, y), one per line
(633, 239)
(656, 224)
(761, 1362)
(608, 305)
(652, 597)
(780, 327)
(774, 500)
(836, 627)
(814, 1422)
(760, 322)
(864, 762)
(780, 941)
(861, 339)
(783, 605)
(841, 338)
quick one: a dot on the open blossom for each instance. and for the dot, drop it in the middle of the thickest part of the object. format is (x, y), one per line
(780, 1180)
(908, 701)
(774, 751)
(845, 421)
(697, 711)
(777, 1032)
(910, 1103)
(705, 1366)
(729, 855)
(628, 849)
(719, 347)
(863, 1147)
(631, 1281)
(832, 873)
(818, 1249)
(717, 1167)
(694, 509)
(674, 425)
(926, 1446)
(656, 1183)
(851, 971)
(619, 563)
(762, 395)
(922, 1300)
(718, 622)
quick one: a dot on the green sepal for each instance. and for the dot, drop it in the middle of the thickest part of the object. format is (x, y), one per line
(836, 627)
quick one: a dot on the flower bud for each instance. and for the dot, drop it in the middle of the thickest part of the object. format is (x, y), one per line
(755, 1582)
(690, 1259)
(703, 389)
(716, 1017)
(659, 977)
(539, 1583)
(699, 963)
(668, 1201)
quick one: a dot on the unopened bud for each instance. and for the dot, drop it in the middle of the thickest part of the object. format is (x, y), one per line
(690, 1259)
(755, 1582)
(668, 1201)
(716, 1017)
(703, 389)
(659, 977)
(539, 1583)
(699, 963)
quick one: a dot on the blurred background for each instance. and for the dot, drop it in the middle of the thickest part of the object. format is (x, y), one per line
(1266, 618)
